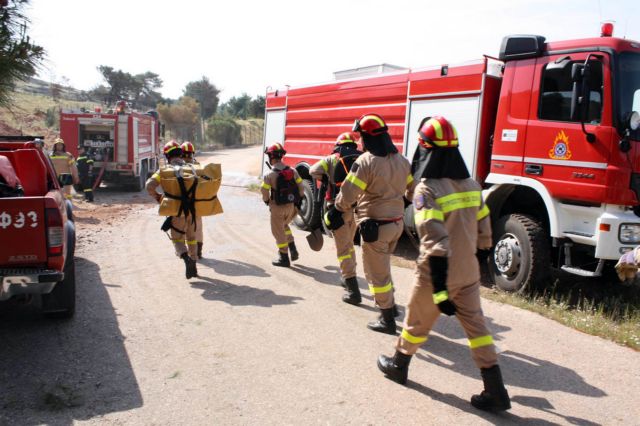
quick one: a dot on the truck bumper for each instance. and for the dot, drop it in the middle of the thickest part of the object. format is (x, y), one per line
(27, 281)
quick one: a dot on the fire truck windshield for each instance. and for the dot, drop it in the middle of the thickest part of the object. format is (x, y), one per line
(629, 80)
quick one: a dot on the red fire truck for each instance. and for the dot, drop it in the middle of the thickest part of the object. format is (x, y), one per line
(124, 144)
(549, 129)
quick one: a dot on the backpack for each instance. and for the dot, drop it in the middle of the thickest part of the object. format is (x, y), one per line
(286, 190)
(345, 159)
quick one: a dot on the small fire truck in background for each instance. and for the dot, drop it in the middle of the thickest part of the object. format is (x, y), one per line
(551, 130)
(124, 144)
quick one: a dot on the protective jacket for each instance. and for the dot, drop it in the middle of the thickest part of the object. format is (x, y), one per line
(64, 162)
(269, 183)
(328, 166)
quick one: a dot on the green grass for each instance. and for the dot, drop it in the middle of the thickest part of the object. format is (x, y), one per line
(601, 308)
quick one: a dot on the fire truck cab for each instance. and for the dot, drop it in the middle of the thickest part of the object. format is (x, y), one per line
(551, 130)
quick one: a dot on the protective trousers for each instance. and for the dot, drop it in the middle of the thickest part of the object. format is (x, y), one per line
(281, 217)
(376, 259)
(199, 229)
(66, 190)
(343, 238)
(183, 236)
(86, 185)
(422, 314)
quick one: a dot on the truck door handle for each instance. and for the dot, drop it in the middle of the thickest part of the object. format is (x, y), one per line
(533, 169)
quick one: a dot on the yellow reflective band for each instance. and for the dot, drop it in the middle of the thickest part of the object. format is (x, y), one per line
(88, 190)
(483, 212)
(298, 179)
(283, 245)
(424, 215)
(452, 142)
(460, 200)
(345, 257)
(440, 296)
(372, 117)
(59, 157)
(69, 197)
(379, 290)
(437, 126)
(192, 242)
(411, 338)
(324, 165)
(156, 177)
(266, 186)
(287, 232)
(481, 341)
(409, 179)
(357, 182)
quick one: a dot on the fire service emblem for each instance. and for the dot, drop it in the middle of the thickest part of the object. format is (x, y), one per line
(560, 150)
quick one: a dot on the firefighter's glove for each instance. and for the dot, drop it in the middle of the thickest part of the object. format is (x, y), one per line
(158, 197)
(266, 203)
(483, 255)
(439, 266)
(333, 219)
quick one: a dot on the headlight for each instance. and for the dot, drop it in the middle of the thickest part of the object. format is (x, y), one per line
(629, 233)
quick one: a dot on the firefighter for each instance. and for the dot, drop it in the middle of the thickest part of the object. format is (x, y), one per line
(182, 228)
(454, 227)
(334, 168)
(188, 152)
(282, 191)
(84, 163)
(64, 163)
(376, 183)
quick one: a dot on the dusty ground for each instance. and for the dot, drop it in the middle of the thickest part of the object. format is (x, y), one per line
(247, 343)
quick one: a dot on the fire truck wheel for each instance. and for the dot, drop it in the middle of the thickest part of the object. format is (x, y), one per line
(61, 302)
(520, 257)
(141, 180)
(308, 218)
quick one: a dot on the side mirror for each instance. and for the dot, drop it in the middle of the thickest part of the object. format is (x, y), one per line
(65, 179)
(581, 95)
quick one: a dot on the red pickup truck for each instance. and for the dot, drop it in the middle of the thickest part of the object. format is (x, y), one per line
(37, 233)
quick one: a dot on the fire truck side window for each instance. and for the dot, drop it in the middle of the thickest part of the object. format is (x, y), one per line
(555, 96)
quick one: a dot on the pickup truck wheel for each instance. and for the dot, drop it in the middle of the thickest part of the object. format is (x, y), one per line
(520, 257)
(308, 218)
(61, 302)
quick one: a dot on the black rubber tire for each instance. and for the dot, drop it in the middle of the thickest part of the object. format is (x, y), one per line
(61, 302)
(410, 226)
(141, 180)
(533, 242)
(308, 218)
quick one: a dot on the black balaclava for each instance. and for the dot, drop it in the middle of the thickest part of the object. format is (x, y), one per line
(379, 145)
(437, 162)
(346, 149)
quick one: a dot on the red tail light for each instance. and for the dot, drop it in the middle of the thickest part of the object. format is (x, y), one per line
(55, 232)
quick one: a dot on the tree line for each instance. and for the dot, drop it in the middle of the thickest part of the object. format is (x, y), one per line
(197, 115)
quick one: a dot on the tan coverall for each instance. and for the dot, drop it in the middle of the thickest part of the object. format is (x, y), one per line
(281, 215)
(344, 235)
(64, 162)
(183, 232)
(377, 184)
(452, 221)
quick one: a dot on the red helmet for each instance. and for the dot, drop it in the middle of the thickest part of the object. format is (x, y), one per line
(371, 124)
(275, 150)
(437, 132)
(187, 147)
(344, 138)
(170, 147)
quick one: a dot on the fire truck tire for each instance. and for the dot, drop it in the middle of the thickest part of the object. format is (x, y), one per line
(142, 178)
(61, 302)
(520, 256)
(308, 218)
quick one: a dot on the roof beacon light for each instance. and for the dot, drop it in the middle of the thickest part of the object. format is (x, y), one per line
(607, 29)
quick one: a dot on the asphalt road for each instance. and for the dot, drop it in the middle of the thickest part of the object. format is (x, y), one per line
(248, 343)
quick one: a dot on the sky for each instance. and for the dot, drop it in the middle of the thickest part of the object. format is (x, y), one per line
(246, 46)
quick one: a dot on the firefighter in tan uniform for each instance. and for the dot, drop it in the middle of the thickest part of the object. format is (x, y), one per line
(188, 152)
(376, 183)
(64, 163)
(282, 191)
(334, 169)
(454, 227)
(182, 228)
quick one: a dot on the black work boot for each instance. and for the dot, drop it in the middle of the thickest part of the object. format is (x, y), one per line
(396, 311)
(294, 251)
(396, 367)
(199, 250)
(494, 397)
(385, 323)
(353, 292)
(282, 260)
(190, 266)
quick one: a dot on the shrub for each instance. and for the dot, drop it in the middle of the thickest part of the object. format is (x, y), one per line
(224, 131)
